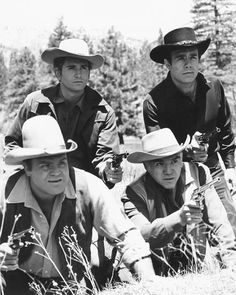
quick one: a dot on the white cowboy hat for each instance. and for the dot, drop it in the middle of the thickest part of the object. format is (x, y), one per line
(42, 137)
(156, 145)
(72, 48)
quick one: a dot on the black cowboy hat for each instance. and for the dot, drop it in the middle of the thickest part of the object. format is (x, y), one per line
(178, 38)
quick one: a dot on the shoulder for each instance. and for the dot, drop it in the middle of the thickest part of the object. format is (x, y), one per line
(86, 182)
(137, 187)
(96, 100)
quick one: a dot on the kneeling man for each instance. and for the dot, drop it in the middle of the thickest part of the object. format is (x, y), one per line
(172, 215)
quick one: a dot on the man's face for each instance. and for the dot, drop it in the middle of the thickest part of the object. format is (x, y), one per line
(166, 171)
(48, 175)
(74, 74)
(184, 65)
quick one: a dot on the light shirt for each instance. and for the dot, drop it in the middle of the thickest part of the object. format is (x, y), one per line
(38, 264)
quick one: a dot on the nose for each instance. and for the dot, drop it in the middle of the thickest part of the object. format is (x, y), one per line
(55, 171)
(167, 169)
(188, 62)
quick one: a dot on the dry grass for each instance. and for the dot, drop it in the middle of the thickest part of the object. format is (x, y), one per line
(215, 282)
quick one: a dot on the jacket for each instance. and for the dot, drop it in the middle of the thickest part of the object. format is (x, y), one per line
(94, 129)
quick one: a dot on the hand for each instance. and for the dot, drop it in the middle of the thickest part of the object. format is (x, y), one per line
(113, 175)
(190, 213)
(198, 152)
(230, 176)
(8, 258)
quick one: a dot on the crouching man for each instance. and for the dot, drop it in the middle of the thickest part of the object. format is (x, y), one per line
(172, 217)
(49, 195)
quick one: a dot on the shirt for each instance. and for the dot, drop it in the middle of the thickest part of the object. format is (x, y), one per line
(167, 106)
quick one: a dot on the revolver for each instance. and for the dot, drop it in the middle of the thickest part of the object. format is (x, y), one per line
(203, 138)
(117, 159)
(198, 193)
(17, 240)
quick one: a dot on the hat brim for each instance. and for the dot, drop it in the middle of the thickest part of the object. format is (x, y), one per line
(140, 157)
(19, 154)
(160, 52)
(50, 54)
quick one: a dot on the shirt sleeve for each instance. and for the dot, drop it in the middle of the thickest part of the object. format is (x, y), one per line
(107, 144)
(150, 114)
(221, 228)
(111, 222)
(158, 232)
(226, 136)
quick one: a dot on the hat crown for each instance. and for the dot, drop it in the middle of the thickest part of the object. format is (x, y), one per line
(42, 132)
(74, 46)
(180, 35)
(159, 140)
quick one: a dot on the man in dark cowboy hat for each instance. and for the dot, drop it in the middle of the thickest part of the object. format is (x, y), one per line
(49, 195)
(187, 103)
(162, 204)
(81, 112)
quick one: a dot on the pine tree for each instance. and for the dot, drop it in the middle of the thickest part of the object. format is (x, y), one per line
(22, 79)
(214, 18)
(3, 79)
(45, 73)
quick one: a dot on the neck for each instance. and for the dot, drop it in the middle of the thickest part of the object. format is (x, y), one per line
(188, 89)
(71, 96)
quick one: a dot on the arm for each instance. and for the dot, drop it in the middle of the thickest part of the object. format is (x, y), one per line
(150, 115)
(226, 136)
(13, 136)
(160, 231)
(110, 222)
(217, 218)
(107, 145)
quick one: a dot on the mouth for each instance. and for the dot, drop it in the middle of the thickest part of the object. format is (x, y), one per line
(56, 181)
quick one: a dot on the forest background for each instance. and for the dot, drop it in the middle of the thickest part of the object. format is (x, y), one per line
(128, 74)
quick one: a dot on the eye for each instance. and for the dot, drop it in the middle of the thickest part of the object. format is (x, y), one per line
(44, 167)
(63, 164)
(84, 67)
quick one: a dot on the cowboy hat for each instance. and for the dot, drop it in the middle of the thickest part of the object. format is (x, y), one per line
(176, 39)
(156, 145)
(76, 48)
(42, 137)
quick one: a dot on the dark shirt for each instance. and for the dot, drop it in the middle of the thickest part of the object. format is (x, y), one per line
(167, 106)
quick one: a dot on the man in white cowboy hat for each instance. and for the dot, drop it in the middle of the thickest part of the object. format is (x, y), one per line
(49, 195)
(162, 204)
(81, 112)
(187, 103)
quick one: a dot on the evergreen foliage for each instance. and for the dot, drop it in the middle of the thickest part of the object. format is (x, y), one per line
(128, 73)
(22, 79)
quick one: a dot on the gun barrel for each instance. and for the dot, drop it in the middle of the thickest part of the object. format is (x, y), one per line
(202, 188)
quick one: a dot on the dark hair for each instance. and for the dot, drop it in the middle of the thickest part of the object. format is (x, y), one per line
(59, 62)
(28, 164)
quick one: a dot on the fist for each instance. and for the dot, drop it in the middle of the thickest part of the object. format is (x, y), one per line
(8, 257)
(113, 175)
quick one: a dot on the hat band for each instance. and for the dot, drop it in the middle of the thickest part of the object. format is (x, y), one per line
(185, 42)
(166, 150)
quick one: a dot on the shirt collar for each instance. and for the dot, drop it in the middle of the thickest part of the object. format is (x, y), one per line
(21, 193)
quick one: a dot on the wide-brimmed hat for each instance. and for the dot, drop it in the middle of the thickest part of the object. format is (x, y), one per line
(72, 48)
(182, 37)
(42, 137)
(156, 145)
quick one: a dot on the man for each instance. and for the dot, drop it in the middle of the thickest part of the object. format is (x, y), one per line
(49, 196)
(81, 112)
(187, 103)
(162, 204)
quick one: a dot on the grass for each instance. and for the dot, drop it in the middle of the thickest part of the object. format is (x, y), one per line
(212, 280)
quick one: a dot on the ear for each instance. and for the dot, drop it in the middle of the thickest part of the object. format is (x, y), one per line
(57, 73)
(167, 64)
